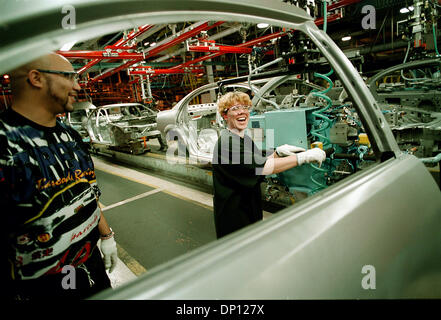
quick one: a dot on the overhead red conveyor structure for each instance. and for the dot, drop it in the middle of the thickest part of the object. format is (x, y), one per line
(111, 54)
(150, 71)
(219, 49)
(242, 45)
(123, 49)
(190, 32)
(117, 45)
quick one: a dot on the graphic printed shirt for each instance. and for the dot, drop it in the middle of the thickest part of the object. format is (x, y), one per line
(48, 197)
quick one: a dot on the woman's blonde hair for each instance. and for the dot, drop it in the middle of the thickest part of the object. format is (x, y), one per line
(231, 98)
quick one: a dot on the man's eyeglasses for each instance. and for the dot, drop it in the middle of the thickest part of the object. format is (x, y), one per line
(71, 75)
(239, 107)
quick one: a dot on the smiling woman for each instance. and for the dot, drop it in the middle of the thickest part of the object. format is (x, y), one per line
(239, 167)
(328, 237)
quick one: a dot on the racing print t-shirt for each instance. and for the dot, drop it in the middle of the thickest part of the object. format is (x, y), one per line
(48, 197)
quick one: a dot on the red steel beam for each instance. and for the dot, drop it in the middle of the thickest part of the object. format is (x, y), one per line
(197, 60)
(262, 39)
(90, 64)
(220, 49)
(132, 35)
(102, 55)
(163, 71)
(154, 51)
(115, 70)
(113, 47)
(341, 4)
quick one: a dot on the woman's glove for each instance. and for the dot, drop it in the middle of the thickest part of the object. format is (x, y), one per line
(311, 155)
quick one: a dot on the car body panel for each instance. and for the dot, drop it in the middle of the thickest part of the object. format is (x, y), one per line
(78, 117)
(412, 107)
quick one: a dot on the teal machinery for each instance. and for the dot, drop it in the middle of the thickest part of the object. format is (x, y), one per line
(328, 124)
(289, 126)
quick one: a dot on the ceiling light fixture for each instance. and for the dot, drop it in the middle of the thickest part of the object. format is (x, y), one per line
(152, 44)
(347, 38)
(262, 25)
(406, 10)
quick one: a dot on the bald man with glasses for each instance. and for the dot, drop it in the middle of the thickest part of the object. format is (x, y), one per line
(48, 192)
(43, 88)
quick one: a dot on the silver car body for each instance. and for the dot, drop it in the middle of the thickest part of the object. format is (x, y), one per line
(412, 108)
(384, 220)
(78, 117)
(193, 129)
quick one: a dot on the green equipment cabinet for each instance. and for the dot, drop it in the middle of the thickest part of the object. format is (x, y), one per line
(287, 126)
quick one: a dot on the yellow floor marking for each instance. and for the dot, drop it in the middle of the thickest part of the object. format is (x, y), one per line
(127, 259)
(130, 262)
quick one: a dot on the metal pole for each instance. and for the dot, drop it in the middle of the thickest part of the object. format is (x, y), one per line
(4, 98)
(142, 88)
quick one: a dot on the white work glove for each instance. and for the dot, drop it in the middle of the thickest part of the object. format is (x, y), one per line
(311, 155)
(108, 248)
(288, 150)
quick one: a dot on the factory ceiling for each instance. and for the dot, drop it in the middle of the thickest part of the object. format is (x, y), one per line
(176, 58)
